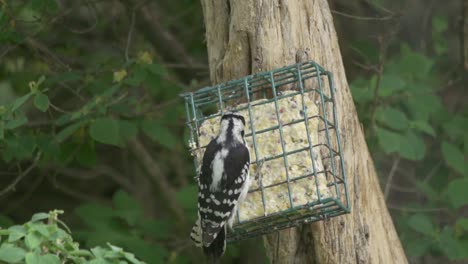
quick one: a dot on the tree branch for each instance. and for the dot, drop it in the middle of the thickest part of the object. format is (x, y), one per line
(12, 185)
(153, 169)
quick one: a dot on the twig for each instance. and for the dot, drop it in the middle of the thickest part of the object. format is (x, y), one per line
(58, 109)
(366, 67)
(432, 172)
(421, 210)
(116, 176)
(37, 45)
(78, 174)
(154, 171)
(404, 189)
(185, 66)
(78, 195)
(17, 202)
(22, 175)
(76, 93)
(390, 177)
(95, 172)
(8, 173)
(380, 68)
(161, 37)
(7, 49)
(425, 23)
(362, 17)
(93, 11)
(373, 3)
(130, 34)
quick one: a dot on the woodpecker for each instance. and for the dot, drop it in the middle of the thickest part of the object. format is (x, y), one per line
(223, 183)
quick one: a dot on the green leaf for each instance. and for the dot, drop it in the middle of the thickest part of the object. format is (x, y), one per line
(450, 245)
(391, 84)
(362, 90)
(105, 130)
(40, 228)
(36, 258)
(423, 126)
(414, 64)
(151, 253)
(69, 130)
(412, 147)
(19, 120)
(159, 133)
(33, 240)
(127, 207)
(454, 157)
(41, 101)
(439, 24)
(427, 189)
(156, 69)
(391, 117)
(131, 257)
(19, 148)
(138, 75)
(5, 221)
(457, 192)
(2, 130)
(20, 101)
(86, 155)
(112, 131)
(16, 232)
(44, 5)
(417, 248)
(388, 140)
(155, 228)
(462, 223)
(127, 130)
(465, 144)
(11, 254)
(95, 215)
(99, 261)
(456, 127)
(440, 45)
(367, 48)
(187, 196)
(422, 224)
(421, 107)
(39, 217)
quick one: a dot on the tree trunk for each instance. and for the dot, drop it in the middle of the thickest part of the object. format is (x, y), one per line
(248, 36)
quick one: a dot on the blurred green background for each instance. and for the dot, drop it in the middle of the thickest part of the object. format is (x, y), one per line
(91, 122)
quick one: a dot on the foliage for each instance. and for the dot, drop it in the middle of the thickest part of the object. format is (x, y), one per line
(82, 81)
(403, 113)
(124, 225)
(46, 239)
(70, 111)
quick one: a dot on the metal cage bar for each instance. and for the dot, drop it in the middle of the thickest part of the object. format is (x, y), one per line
(200, 104)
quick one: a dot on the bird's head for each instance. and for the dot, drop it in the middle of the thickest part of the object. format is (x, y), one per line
(232, 128)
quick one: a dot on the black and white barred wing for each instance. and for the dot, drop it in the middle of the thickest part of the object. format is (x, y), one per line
(220, 186)
(206, 169)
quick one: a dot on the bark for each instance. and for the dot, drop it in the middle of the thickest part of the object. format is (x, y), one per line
(248, 36)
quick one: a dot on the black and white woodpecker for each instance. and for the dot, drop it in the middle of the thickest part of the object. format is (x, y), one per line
(223, 184)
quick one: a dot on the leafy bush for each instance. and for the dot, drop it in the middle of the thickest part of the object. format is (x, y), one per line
(125, 225)
(405, 119)
(47, 240)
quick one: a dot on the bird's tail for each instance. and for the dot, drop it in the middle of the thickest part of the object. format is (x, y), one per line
(196, 234)
(216, 249)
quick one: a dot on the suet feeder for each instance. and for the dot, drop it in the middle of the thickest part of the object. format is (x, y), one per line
(297, 167)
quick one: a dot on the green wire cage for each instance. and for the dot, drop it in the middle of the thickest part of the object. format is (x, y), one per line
(297, 167)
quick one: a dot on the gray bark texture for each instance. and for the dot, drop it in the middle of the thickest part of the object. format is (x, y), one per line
(249, 36)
